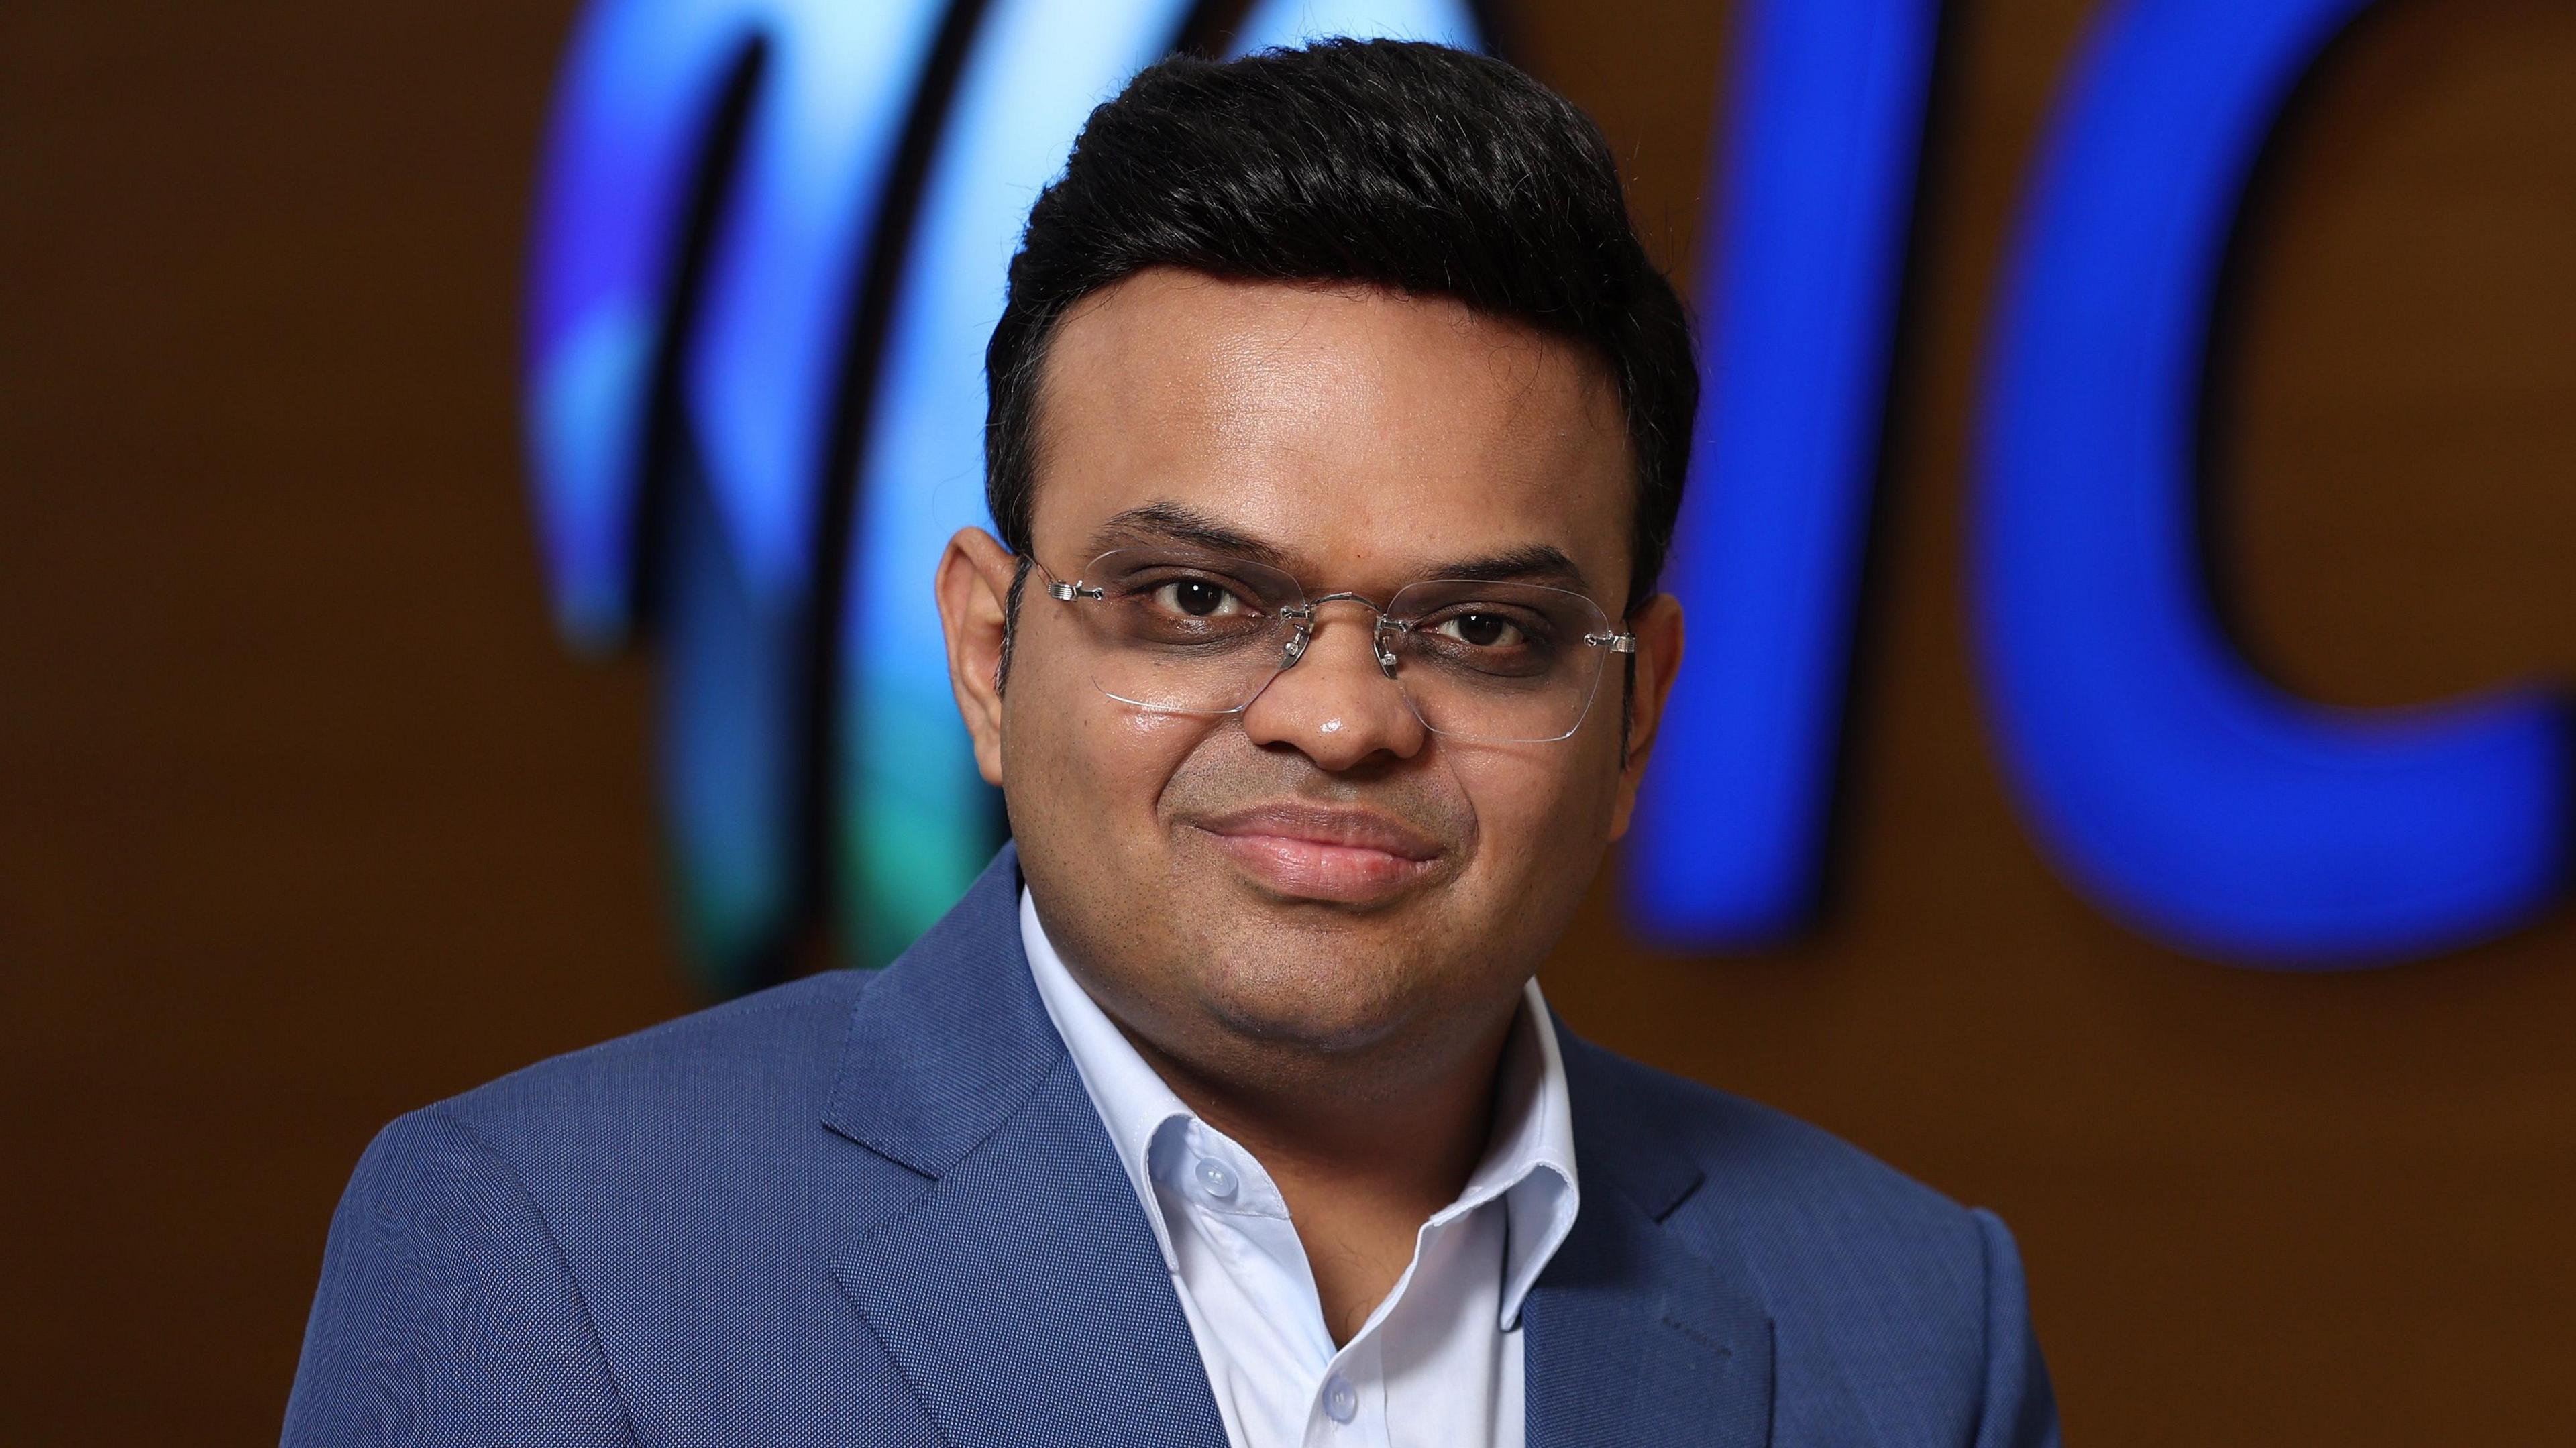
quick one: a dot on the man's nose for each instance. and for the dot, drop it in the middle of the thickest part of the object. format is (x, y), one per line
(1335, 705)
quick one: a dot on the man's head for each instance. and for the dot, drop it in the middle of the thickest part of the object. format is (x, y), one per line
(1361, 315)
(1413, 168)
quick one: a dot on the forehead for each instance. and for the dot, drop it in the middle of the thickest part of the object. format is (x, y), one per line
(1366, 435)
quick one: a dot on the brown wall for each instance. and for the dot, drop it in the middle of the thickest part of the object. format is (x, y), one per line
(305, 818)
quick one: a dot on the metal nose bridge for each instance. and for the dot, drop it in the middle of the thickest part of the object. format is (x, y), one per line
(1304, 615)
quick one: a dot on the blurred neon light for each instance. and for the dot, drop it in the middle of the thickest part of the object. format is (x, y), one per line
(632, 122)
(636, 127)
(1803, 252)
(1294, 22)
(2176, 787)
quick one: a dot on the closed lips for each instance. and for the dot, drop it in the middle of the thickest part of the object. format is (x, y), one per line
(1345, 829)
(1337, 856)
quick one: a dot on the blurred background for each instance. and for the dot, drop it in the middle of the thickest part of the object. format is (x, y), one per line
(309, 815)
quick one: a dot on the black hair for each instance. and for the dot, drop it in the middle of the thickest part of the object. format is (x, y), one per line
(1419, 168)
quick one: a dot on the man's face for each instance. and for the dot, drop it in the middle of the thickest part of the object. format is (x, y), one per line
(1318, 872)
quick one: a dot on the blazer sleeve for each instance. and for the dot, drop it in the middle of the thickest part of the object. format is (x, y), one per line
(2020, 1409)
(447, 1312)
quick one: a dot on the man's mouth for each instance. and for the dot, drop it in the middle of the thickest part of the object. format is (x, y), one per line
(1320, 852)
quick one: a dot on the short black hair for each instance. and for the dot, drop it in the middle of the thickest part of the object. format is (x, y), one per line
(1419, 168)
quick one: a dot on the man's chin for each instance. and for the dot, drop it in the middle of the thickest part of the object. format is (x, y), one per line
(1308, 1005)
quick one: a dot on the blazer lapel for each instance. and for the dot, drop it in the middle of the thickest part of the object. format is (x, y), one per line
(1633, 1336)
(1026, 1300)
(1021, 1294)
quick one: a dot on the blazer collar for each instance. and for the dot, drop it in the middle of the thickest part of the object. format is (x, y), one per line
(950, 1040)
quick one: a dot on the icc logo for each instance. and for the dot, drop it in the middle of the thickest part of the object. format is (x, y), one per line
(771, 244)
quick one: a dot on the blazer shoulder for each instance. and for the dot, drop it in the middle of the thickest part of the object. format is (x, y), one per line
(1790, 1193)
(721, 1078)
(643, 1214)
(1906, 1293)
(1761, 1155)
(1892, 1302)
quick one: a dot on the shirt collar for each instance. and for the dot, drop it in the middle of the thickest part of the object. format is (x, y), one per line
(1528, 1163)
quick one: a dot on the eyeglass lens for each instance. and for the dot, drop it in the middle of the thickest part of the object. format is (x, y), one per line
(1180, 632)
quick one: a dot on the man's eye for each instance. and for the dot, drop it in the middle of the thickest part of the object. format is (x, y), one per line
(1197, 598)
(1481, 630)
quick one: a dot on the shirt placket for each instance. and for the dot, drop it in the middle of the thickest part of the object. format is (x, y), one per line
(1349, 1408)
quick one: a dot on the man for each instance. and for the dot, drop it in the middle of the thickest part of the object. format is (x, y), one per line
(1338, 424)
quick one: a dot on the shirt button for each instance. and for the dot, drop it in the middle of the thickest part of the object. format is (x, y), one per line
(1341, 1400)
(1216, 1178)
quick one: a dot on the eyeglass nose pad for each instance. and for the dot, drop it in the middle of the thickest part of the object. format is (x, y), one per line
(1385, 650)
(1296, 648)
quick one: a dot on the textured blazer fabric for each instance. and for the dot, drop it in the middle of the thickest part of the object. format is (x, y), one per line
(867, 1209)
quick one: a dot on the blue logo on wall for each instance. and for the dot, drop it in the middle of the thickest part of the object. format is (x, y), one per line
(772, 242)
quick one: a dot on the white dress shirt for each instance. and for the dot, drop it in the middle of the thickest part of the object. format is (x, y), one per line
(1439, 1361)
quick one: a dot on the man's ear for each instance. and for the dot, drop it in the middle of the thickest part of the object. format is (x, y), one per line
(974, 612)
(1658, 627)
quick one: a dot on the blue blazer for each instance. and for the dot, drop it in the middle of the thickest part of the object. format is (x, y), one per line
(867, 1209)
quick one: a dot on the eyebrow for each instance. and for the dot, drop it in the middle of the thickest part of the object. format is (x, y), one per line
(1529, 563)
(1170, 522)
